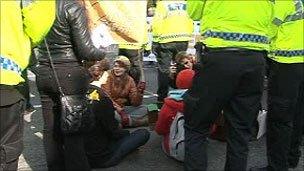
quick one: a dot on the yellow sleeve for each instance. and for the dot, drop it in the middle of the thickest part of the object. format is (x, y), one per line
(37, 20)
(195, 9)
(281, 9)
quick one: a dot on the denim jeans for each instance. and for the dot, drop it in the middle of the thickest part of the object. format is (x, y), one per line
(122, 147)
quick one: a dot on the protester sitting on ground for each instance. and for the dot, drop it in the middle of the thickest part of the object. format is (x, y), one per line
(108, 144)
(172, 105)
(126, 96)
(183, 60)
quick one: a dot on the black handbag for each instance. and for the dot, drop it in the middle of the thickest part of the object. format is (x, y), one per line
(76, 112)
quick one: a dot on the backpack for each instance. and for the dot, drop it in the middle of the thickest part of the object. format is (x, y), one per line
(177, 137)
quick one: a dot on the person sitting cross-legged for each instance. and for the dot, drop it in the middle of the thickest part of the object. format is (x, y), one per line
(172, 105)
(107, 144)
(125, 95)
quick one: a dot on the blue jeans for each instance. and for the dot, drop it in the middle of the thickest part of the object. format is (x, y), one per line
(124, 146)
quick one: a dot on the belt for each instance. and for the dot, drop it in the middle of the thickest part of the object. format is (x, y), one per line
(231, 49)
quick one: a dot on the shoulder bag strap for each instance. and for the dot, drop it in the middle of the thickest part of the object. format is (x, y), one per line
(53, 68)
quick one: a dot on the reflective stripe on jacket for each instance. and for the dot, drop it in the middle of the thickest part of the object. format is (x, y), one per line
(287, 45)
(18, 27)
(243, 24)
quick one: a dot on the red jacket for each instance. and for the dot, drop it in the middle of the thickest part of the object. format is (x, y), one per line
(165, 118)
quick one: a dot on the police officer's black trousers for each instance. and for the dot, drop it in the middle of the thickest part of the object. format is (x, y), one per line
(283, 123)
(231, 80)
(11, 141)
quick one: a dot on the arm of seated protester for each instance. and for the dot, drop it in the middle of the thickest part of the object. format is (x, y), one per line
(104, 111)
(135, 96)
(114, 130)
(120, 101)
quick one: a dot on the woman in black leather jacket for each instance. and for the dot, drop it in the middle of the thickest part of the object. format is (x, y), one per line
(69, 43)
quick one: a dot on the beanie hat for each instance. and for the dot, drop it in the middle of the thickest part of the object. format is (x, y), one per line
(184, 79)
(124, 60)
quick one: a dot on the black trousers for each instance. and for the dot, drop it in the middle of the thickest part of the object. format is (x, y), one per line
(135, 57)
(165, 53)
(232, 81)
(24, 89)
(283, 119)
(63, 152)
(296, 136)
(11, 141)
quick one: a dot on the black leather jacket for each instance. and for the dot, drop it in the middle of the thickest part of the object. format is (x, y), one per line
(69, 39)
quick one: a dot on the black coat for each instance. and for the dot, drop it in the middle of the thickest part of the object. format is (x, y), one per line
(98, 141)
(69, 43)
(69, 38)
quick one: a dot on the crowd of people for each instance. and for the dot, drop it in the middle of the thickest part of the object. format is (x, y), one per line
(241, 43)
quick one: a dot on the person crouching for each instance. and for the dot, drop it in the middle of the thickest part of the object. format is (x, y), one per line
(173, 104)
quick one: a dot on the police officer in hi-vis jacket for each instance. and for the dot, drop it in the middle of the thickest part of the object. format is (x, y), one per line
(172, 29)
(23, 25)
(236, 37)
(286, 86)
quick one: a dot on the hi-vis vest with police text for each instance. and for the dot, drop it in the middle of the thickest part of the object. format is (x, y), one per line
(171, 22)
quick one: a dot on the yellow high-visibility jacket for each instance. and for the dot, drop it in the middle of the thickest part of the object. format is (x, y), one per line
(171, 22)
(243, 23)
(20, 28)
(287, 45)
